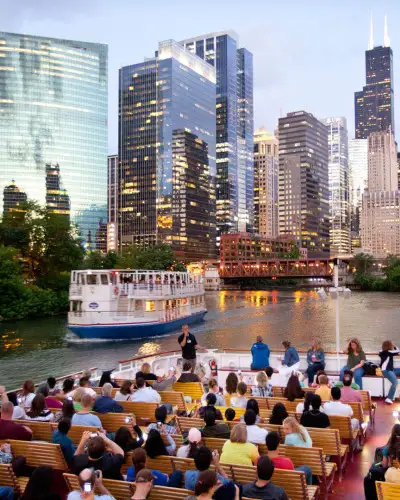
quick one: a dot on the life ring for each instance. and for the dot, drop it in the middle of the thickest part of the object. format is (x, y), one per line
(116, 290)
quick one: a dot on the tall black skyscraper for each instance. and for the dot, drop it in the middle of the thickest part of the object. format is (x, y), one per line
(374, 104)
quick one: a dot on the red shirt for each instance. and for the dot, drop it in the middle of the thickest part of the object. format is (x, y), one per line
(52, 402)
(281, 463)
(12, 430)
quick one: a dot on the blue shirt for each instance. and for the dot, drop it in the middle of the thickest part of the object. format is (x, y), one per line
(191, 477)
(294, 439)
(260, 353)
(319, 357)
(291, 357)
(86, 419)
(160, 478)
(105, 404)
(66, 444)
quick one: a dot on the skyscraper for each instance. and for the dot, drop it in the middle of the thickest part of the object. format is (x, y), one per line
(374, 105)
(266, 168)
(57, 199)
(53, 110)
(358, 163)
(112, 190)
(234, 117)
(339, 206)
(13, 198)
(167, 153)
(382, 162)
(304, 182)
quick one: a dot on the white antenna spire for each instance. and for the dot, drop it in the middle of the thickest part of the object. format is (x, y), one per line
(371, 34)
(386, 40)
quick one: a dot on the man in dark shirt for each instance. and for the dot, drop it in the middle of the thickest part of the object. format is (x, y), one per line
(263, 488)
(10, 429)
(105, 403)
(211, 429)
(96, 456)
(189, 344)
(187, 375)
(315, 417)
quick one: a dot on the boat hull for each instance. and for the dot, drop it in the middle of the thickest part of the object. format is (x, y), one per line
(132, 330)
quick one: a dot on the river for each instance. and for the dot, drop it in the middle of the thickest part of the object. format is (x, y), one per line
(41, 347)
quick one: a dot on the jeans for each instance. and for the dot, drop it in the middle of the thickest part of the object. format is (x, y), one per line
(6, 493)
(357, 374)
(307, 471)
(392, 377)
(312, 370)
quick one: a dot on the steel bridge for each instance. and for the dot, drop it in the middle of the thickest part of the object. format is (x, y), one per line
(296, 268)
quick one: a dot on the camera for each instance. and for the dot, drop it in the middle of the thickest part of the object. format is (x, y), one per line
(159, 425)
(87, 487)
(127, 420)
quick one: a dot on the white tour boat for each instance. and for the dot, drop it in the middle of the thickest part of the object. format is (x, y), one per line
(126, 304)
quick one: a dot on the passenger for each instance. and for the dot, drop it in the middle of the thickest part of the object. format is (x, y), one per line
(145, 394)
(106, 379)
(279, 414)
(51, 402)
(40, 484)
(203, 459)
(272, 442)
(260, 354)
(143, 484)
(27, 393)
(160, 414)
(38, 410)
(139, 463)
(187, 374)
(53, 390)
(262, 388)
(165, 382)
(105, 403)
(388, 451)
(296, 434)
(146, 372)
(293, 389)
(240, 401)
(392, 475)
(102, 454)
(201, 373)
(10, 429)
(18, 412)
(252, 404)
(304, 405)
(84, 417)
(315, 360)
(290, 362)
(237, 450)
(84, 384)
(211, 400)
(255, 434)
(124, 392)
(155, 446)
(324, 391)
(67, 411)
(349, 395)
(230, 414)
(125, 440)
(339, 383)
(205, 487)
(355, 361)
(388, 371)
(212, 429)
(336, 407)
(213, 388)
(189, 450)
(94, 478)
(263, 486)
(77, 397)
(68, 386)
(60, 436)
(88, 374)
(189, 345)
(231, 384)
(314, 417)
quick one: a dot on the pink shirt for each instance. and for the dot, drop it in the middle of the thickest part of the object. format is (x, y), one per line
(53, 402)
(350, 395)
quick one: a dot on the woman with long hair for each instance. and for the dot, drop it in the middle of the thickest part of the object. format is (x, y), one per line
(305, 405)
(279, 413)
(67, 411)
(125, 440)
(293, 389)
(388, 370)
(40, 484)
(27, 393)
(139, 458)
(38, 410)
(315, 359)
(106, 378)
(231, 384)
(388, 451)
(155, 446)
(68, 386)
(355, 361)
(189, 450)
(125, 392)
(262, 388)
(296, 434)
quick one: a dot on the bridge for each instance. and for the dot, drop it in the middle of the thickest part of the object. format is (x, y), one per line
(285, 268)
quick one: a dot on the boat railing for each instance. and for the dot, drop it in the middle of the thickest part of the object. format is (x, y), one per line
(104, 317)
(133, 290)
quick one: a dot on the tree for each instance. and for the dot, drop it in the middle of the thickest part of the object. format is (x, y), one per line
(158, 257)
(363, 263)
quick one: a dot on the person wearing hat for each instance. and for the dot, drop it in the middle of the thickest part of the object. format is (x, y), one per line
(188, 450)
(144, 483)
(260, 353)
(164, 381)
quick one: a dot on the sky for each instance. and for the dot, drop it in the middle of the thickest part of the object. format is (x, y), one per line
(308, 54)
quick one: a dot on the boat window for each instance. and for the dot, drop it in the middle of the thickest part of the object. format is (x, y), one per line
(104, 279)
(150, 306)
(73, 277)
(91, 279)
(81, 279)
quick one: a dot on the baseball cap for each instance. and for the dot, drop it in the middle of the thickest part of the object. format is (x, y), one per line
(194, 435)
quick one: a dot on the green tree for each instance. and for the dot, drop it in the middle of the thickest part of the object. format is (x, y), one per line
(158, 257)
(363, 263)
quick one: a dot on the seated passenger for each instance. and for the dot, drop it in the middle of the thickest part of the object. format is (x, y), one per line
(84, 383)
(125, 391)
(211, 429)
(18, 412)
(255, 434)
(206, 486)
(125, 440)
(60, 436)
(145, 394)
(314, 417)
(143, 484)
(260, 354)
(240, 401)
(278, 415)
(349, 395)
(231, 384)
(324, 391)
(289, 363)
(237, 450)
(293, 389)
(94, 478)
(188, 450)
(211, 400)
(165, 382)
(304, 405)
(67, 388)
(203, 459)
(263, 388)
(155, 446)
(201, 373)
(315, 360)
(40, 485)
(38, 410)
(213, 388)
(263, 487)
(106, 379)
(105, 403)
(51, 402)
(160, 414)
(337, 408)
(230, 414)
(252, 404)
(145, 370)
(84, 417)
(10, 429)
(187, 375)
(53, 390)
(296, 434)
(392, 475)
(27, 393)
(67, 411)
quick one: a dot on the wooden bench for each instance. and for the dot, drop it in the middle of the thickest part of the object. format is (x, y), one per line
(174, 398)
(193, 389)
(238, 411)
(111, 422)
(266, 414)
(289, 405)
(8, 478)
(39, 453)
(41, 431)
(144, 412)
(387, 491)
(76, 431)
(98, 391)
(368, 406)
(348, 434)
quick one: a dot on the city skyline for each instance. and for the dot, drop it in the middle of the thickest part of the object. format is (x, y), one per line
(285, 74)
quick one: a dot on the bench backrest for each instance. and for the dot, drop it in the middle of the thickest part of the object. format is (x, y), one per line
(289, 405)
(343, 425)
(214, 443)
(358, 411)
(313, 457)
(186, 423)
(111, 422)
(39, 453)
(387, 491)
(238, 411)
(174, 398)
(193, 389)
(7, 476)
(142, 411)
(327, 439)
(76, 431)
(98, 391)
(41, 431)
(266, 414)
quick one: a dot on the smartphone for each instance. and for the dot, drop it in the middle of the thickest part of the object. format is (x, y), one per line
(127, 420)
(239, 372)
(214, 453)
(69, 398)
(97, 473)
(93, 434)
(171, 369)
(19, 400)
(159, 425)
(87, 487)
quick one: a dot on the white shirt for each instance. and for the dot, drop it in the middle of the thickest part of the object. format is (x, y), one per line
(183, 451)
(300, 408)
(256, 434)
(220, 399)
(238, 402)
(121, 397)
(19, 413)
(146, 395)
(27, 400)
(76, 495)
(338, 408)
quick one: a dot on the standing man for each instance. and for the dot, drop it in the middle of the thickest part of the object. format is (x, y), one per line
(189, 344)
(260, 353)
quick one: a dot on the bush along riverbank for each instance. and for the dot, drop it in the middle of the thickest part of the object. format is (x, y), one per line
(366, 276)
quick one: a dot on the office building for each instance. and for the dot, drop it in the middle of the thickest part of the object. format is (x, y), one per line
(358, 164)
(167, 130)
(339, 192)
(234, 122)
(304, 182)
(266, 168)
(13, 198)
(112, 203)
(382, 162)
(53, 111)
(57, 199)
(374, 105)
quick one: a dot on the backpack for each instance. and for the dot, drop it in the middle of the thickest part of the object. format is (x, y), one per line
(370, 368)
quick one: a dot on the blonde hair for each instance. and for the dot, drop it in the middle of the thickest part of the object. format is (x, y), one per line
(145, 368)
(212, 383)
(78, 394)
(239, 434)
(261, 379)
(317, 344)
(297, 428)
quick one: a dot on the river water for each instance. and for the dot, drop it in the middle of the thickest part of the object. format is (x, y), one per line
(38, 348)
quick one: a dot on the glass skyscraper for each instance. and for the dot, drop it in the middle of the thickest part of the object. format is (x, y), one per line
(53, 112)
(167, 153)
(234, 71)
